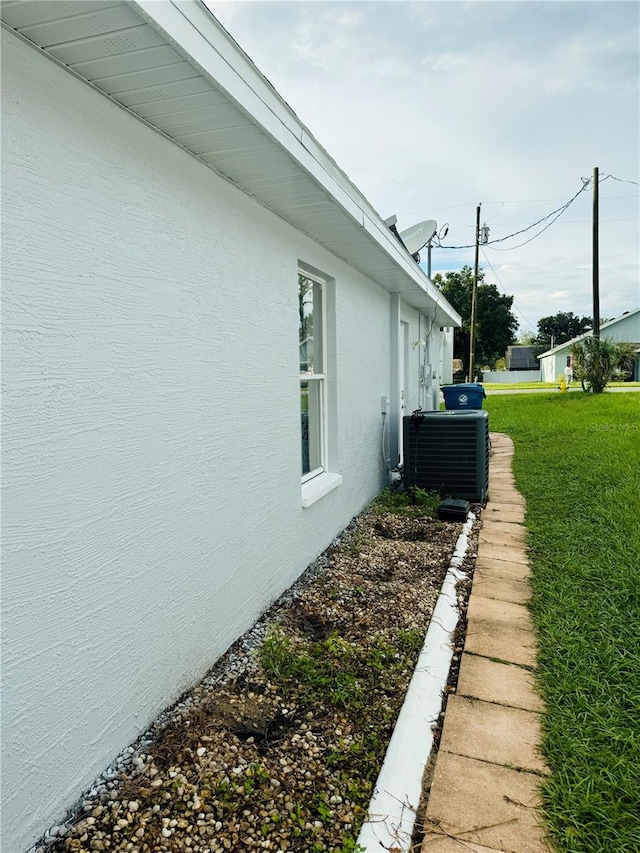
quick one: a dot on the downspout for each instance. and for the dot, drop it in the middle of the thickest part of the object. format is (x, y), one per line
(394, 378)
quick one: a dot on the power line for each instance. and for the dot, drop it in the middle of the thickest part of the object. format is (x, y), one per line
(542, 230)
(513, 201)
(622, 180)
(567, 222)
(586, 182)
(526, 319)
(555, 213)
(575, 271)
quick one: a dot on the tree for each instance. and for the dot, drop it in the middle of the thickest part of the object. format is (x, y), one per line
(495, 324)
(597, 360)
(561, 327)
(526, 339)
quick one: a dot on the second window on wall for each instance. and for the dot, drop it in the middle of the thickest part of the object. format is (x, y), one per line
(311, 302)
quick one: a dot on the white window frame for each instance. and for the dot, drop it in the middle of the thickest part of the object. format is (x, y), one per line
(318, 374)
(323, 478)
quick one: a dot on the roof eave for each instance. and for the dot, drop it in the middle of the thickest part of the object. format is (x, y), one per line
(226, 115)
(195, 31)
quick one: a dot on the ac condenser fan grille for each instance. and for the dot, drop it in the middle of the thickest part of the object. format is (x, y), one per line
(448, 452)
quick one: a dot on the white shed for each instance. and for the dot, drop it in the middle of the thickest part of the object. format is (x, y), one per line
(169, 223)
(623, 328)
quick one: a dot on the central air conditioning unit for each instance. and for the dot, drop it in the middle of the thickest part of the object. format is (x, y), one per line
(448, 452)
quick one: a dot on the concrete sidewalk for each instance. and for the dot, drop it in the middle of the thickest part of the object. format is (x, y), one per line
(485, 791)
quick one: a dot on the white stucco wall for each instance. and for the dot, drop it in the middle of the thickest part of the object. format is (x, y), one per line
(429, 360)
(151, 474)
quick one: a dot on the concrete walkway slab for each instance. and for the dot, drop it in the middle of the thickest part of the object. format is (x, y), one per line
(502, 511)
(515, 553)
(501, 641)
(501, 540)
(487, 567)
(484, 795)
(510, 528)
(502, 589)
(501, 474)
(502, 683)
(484, 803)
(444, 844)
(501, 467)
(495, 733)
(501, 493)
(493, 610)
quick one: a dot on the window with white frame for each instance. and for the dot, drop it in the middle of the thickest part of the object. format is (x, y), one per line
(311, 302)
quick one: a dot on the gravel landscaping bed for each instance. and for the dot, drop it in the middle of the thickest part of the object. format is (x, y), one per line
(279, 747)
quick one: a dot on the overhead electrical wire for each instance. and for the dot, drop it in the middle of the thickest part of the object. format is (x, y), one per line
(555, 213)
(524, 243)
(567, 221)
(585, 183)
(622, 181)
(526, 319)
(553, 216)
(511, 201)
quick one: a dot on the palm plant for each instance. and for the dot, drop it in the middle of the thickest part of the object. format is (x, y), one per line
(597, 360)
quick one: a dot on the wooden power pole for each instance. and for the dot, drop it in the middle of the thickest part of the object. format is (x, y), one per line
(596, 260)
(474, 297)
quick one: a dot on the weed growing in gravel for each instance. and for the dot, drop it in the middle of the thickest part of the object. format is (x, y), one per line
(334, 672)
(282, 752)
(414, 502)
(364, 682)
(355, 544)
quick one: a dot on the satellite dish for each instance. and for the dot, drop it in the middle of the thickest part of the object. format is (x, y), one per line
(419, 235)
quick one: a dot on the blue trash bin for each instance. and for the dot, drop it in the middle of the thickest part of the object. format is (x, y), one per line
(468, 395)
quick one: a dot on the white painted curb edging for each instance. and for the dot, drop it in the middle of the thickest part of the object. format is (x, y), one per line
(396, 794)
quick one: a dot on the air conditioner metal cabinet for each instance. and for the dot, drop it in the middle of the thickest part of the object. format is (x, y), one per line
(448, 452)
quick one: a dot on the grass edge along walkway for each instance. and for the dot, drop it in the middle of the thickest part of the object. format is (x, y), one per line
(546, 386)
(577, 462)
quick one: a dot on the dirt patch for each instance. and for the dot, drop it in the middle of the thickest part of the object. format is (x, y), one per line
(279, 746)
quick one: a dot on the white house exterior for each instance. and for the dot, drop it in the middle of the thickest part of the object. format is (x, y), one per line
(624, 328)
(160, 202)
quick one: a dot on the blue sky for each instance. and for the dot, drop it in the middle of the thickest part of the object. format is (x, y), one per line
(433, 107)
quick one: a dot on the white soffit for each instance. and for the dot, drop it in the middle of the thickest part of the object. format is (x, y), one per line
(170, 63)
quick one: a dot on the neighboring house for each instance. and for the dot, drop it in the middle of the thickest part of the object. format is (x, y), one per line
(624, 328)
(163, 209)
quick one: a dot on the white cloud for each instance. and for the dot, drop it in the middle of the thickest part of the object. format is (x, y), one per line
(432, 107)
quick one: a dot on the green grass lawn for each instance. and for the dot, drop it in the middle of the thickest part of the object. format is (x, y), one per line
(577, 462)
(521, 386)
(507, 386)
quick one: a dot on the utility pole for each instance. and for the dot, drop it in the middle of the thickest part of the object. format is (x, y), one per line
(474, 297)
(595, 260)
